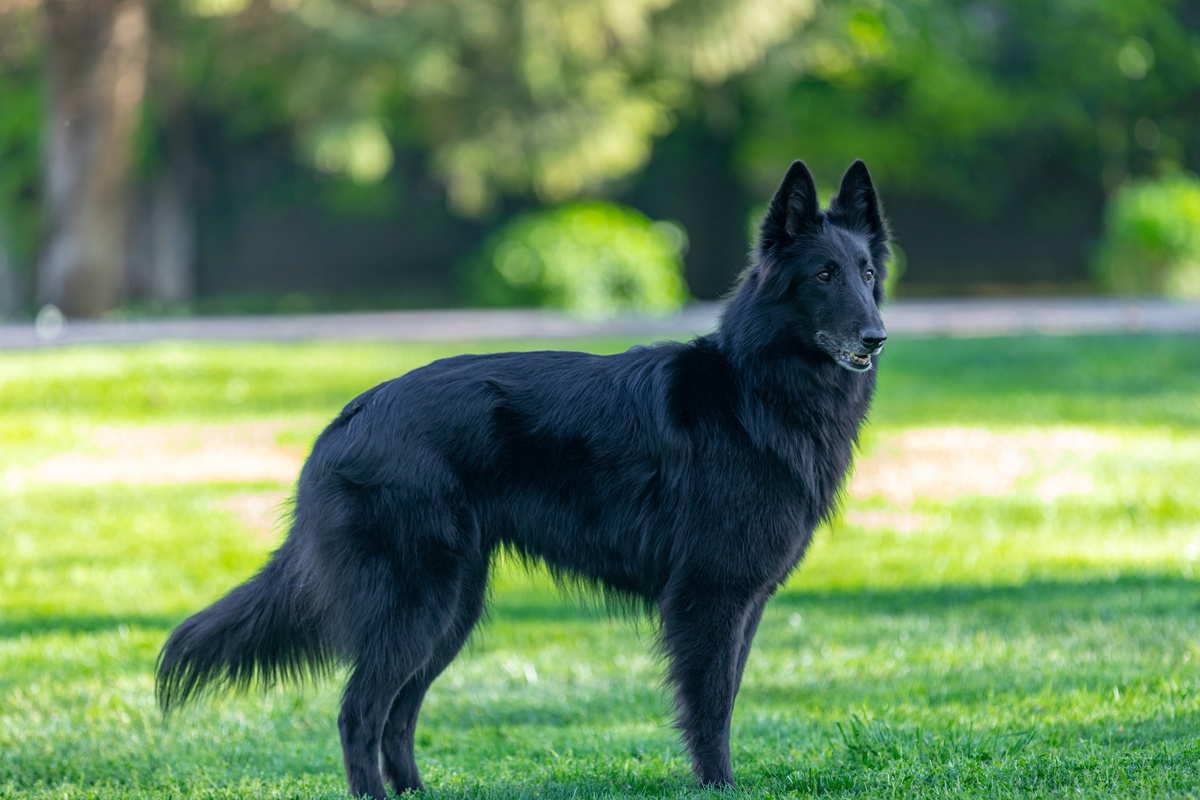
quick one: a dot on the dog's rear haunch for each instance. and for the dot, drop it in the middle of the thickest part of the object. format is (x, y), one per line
(685, 477)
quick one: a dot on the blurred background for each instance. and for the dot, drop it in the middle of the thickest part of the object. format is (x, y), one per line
(230, 156)
(1006, 608)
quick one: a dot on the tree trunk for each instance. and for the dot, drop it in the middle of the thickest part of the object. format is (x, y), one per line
(97, 54)
(8, 285)
(162, 257)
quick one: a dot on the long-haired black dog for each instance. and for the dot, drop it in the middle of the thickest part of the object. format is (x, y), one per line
(687, 477)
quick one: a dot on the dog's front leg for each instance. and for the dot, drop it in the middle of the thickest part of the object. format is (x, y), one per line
(704, 628)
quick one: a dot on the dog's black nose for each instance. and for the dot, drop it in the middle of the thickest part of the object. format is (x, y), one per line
(874, 338)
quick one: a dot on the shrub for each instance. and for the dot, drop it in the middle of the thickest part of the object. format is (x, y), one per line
(1151, 241)
(595, 259)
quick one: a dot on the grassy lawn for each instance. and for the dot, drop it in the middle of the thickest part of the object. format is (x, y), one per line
(1009, 605)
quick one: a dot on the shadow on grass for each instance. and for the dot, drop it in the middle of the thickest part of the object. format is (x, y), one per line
(1146, 595)
(54, 624)
(1143, 595)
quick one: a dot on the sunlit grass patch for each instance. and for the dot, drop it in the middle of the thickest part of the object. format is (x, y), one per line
(119, 551)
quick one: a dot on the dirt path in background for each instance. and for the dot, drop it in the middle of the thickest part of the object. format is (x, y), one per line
(162, 454)
(946, 463)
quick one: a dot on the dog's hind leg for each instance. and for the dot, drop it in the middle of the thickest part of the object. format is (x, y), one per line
(404, 645)
(703, 632)
(399, 761)
(410, 607)
(360, 723)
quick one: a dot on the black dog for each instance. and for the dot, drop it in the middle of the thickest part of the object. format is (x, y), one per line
(686, 477)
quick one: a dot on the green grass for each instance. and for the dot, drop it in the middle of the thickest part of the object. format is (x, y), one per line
(1011, 644)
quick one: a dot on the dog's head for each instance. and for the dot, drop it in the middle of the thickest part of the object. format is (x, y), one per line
(825, 269)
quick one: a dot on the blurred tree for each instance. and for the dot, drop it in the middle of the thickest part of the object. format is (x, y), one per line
(96, 55)
(209, 60)
(535, 99)
(20, 134)
(1031, 110)
(992, 105)
(990, 81)
(547, 97)
(557, 99)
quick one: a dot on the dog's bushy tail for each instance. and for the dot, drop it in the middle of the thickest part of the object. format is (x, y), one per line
(258, 634)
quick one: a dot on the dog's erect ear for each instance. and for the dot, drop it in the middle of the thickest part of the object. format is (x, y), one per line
(856, 203)
(794, 208)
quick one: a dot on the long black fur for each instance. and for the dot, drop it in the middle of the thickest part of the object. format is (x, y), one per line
(683, 477)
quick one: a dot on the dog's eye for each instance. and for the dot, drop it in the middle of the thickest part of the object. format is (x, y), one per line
(824, 276)
(870, 274)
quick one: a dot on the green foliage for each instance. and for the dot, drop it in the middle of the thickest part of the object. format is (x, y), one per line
(550, 98)
(895, 271)
(1151, 242)
(973, 101)
(20, 140)
(1020, 647)
(592, 258)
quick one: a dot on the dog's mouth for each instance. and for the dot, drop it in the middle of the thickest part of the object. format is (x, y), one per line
(847, 359)
(856, 362)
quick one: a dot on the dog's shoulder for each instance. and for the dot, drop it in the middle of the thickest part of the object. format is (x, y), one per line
(701, 388)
